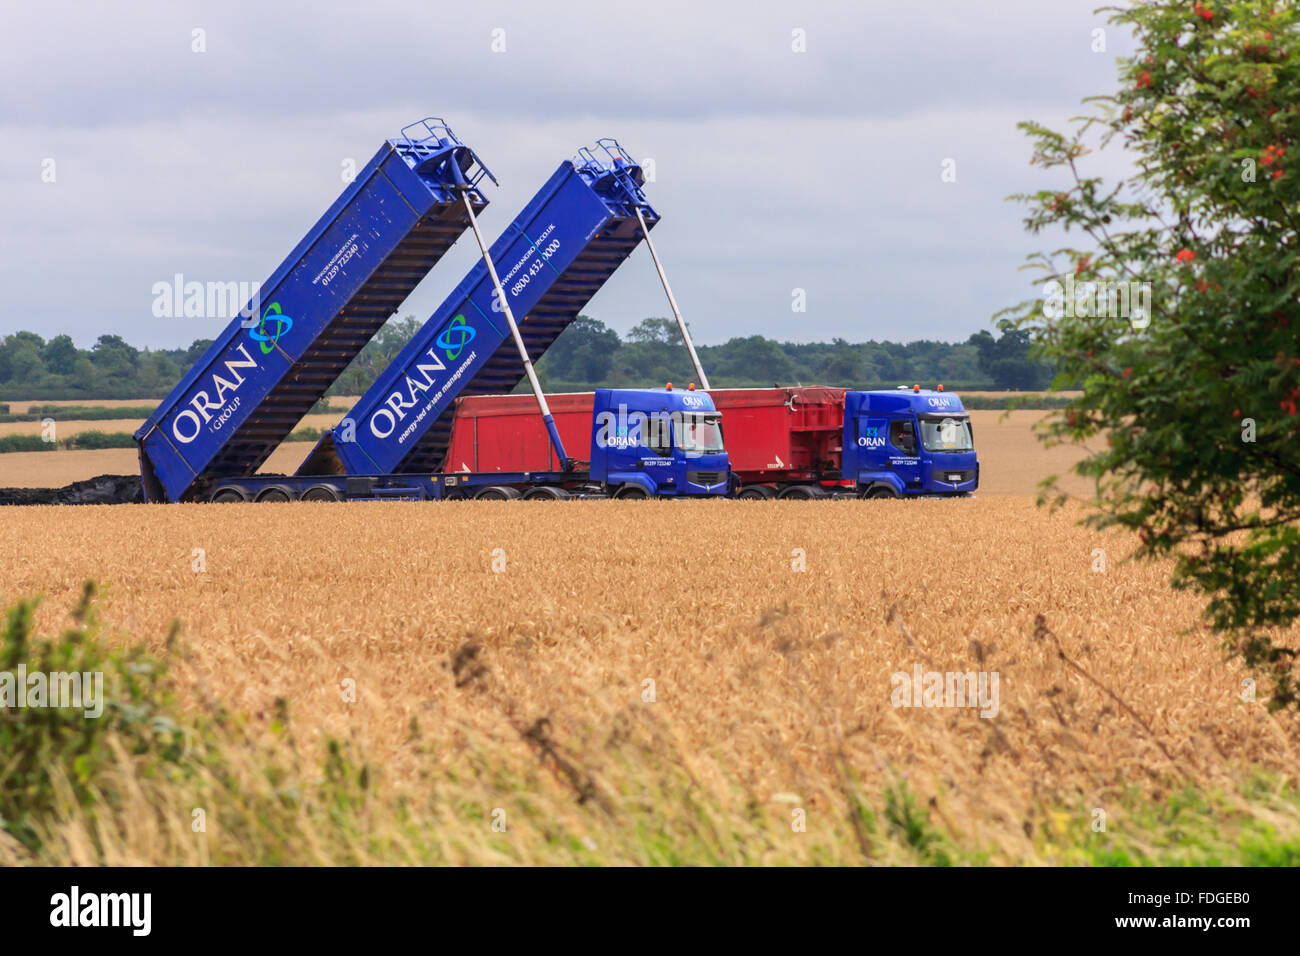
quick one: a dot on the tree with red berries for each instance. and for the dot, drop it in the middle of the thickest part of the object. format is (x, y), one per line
(1196, 402)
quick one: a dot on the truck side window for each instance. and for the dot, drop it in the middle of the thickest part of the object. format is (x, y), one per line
(657, 434)
(903, 437)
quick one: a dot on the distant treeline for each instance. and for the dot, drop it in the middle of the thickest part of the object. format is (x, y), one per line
(83, 413)
(587, 355)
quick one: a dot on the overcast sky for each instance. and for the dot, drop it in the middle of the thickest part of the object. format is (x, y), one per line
(775, 169)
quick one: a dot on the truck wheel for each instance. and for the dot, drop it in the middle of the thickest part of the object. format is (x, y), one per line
(321, 493)
(227, 495)
(545, 493)
(881, 491)
(273, 494)
(631, 493)
(804, 492)
(497, 493)
(757, 493)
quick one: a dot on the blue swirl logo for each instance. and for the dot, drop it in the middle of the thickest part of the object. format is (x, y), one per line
(455, 337)
(267, 340)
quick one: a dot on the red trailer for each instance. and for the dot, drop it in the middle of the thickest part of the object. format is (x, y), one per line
(505, 433)
(786, 440)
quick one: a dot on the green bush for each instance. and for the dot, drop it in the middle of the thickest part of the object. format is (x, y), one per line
(129, 759)
(10, 443)
(52, 753)
(67, 413)
(98, 439)
(1198, 403)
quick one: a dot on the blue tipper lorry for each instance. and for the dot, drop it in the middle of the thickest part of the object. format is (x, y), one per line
(346, 277)
(813, 441)
(580, 226)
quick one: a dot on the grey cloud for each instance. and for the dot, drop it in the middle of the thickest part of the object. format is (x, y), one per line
(775, 170)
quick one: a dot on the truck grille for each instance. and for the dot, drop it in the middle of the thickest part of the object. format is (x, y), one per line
(706, 477)
(949, 476)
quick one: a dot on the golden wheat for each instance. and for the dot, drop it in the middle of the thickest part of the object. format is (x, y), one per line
(762, 674)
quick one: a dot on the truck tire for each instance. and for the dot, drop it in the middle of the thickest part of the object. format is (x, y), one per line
(757, 493)
(497, 493)
(631, 493)
(228, 495)
(545, 493)
(321, 493)
(804, 493)
(274, 493)
(880, 491)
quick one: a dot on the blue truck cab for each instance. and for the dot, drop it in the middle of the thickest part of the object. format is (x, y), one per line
(655, 442)
(909, 442)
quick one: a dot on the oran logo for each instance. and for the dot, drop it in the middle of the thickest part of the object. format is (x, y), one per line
(455, 337)
(267, 340)
(871, 436)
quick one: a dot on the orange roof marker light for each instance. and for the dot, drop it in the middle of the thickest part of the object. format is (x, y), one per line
(690, 387)
(916, 388)
(668, 386)
(941, 386)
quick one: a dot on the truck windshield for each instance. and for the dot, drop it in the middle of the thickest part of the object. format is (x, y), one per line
(946, 434)
(697, 433)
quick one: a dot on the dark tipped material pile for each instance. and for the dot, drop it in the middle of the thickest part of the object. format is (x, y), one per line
(103, 490)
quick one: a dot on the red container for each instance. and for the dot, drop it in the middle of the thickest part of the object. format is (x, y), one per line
(506, 432)
(773, 435)
(782, 434)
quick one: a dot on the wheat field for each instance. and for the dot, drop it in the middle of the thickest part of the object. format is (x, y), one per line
(697, 671)
(756, 640)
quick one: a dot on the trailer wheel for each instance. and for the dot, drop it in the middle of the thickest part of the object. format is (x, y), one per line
(497, 493)
(227, 495)
(803, 493)
(757, 493)
(321, 493)
(274, 494)
(545, 493)
(631, 493)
